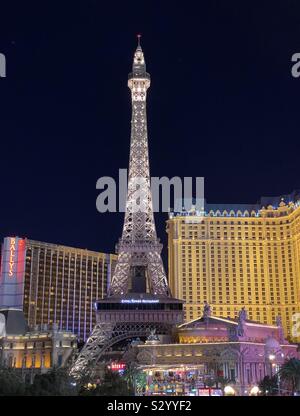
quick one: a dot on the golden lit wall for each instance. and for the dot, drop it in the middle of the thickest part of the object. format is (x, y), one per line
(235, 259)
(36, 351)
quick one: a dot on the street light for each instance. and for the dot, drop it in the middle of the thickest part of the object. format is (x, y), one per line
(271, 358)
(273, 365)
(278, 380)
(229, 391)
(254, 391)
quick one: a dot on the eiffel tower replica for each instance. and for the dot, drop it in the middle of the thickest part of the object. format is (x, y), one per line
(138, 301)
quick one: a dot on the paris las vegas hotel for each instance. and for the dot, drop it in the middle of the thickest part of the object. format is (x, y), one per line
(239, 255)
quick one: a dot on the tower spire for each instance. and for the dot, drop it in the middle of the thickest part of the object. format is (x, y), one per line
(139, 248)
(139, 40)
(139, 64)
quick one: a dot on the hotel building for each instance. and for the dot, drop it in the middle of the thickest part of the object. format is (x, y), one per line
(53, 284)
(239, 255)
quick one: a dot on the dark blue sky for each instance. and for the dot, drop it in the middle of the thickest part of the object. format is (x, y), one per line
(222, 105)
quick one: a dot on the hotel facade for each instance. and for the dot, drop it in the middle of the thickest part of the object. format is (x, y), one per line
(239, 255)
(209, 348)
(53, 284)
(33, 352)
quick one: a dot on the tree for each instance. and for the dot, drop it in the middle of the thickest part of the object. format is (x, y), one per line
(269, 385)
(11, 383)
(112, 384)
(209, 382)
(55, 382)
(223, 381)
(135, 378)
(290, 373)
(141, 382)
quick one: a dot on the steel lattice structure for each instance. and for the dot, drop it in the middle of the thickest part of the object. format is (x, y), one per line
(139, 245)
(105, 335)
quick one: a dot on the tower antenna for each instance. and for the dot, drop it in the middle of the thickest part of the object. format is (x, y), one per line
(139, 39)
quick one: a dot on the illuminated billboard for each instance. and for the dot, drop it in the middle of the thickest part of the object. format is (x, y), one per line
(13, 254)
(139, 300)
(117, 366)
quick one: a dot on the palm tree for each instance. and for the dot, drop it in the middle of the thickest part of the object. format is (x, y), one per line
(56, 382)
(136, 379)
(11, 383)
(290, 372)
(112, 384)
(130, 375)
(223, 381)
(209, 382)
(268, 385)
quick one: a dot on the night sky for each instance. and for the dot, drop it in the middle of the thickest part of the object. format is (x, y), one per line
(222, 104)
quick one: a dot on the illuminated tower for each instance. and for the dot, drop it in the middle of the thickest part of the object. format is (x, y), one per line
(139, 299)
(139, 249)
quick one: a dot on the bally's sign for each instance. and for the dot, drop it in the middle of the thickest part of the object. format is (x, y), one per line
(12, 254)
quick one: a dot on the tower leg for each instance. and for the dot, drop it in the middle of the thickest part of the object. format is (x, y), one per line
(106, 335)
(120, 280)
(157, 274)
(92, 349)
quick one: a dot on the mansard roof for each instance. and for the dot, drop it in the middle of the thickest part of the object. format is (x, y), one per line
(264, 201)
(217, 319)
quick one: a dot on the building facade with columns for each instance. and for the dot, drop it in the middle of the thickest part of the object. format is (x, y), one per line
(241, 351)
(32, 351)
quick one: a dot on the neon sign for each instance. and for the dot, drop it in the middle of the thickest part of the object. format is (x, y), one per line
(117, 367)
(12, 250)
(140, 301)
